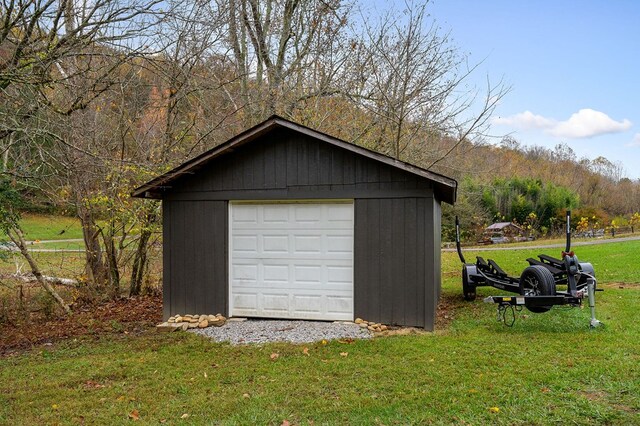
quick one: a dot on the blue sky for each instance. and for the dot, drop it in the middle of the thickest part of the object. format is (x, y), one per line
(574, 69)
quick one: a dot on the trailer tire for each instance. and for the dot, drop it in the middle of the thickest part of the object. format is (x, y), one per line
(536, 280)
(468, 289)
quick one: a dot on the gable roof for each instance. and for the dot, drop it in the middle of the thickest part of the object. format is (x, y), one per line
(445, 187)
(501, 225)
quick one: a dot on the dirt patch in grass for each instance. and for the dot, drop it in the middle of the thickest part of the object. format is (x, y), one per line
(131, 315)
(601, 396)
(620, 285)
(448, 306)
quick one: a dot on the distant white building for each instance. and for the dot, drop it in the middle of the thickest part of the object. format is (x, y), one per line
(502, 232)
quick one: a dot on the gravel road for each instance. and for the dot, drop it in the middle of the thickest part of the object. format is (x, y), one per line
(544, 246)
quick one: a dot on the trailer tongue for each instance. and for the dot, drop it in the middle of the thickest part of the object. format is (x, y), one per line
(537, 286)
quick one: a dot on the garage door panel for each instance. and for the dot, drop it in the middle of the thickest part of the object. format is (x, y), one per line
(276, 243)
(275, 303)
(305, 244)
(340, 305)
(292, 261)
(342, 244)
(307, 304)
(245, 216)
(307, 213)
(245, 244)
(245, 301)
(307, 257)
(275, 215)
(245, 272)
(278, 273)
(339, 274)
(309, 274)
(340, 214)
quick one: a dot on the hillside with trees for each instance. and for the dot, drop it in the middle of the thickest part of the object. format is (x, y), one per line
(96, 98)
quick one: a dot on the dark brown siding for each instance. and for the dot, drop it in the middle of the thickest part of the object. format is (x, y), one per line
(195, 257)
(395, 247)
(397, 225)
(287, 165)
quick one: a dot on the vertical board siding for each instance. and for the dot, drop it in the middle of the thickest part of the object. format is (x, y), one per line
(166, 260)
(432, 253)
(395, 276)
(195, 257)
(437, 243)
(409, 267)
(286, 160)
(396, 241)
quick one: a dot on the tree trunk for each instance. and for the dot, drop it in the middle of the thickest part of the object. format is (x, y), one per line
(140, 262)
(96, 269)
(15, 234)
(140, 259)
(112, 262)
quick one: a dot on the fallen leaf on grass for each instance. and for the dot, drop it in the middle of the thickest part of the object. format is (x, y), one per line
(54, 406)
(123, 398)
(205, 375)
(495, 410)
(344, 353)
(134, 415)
(347, 341)
(245, 395)
(285, 423)
(274, 356)
(545, 390)
(184, 416)
(306, 351)
(324, 342)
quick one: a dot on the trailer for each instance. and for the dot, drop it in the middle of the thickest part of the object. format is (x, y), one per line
(545, 283)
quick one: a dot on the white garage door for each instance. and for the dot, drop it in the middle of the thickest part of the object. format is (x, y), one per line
(292, 260)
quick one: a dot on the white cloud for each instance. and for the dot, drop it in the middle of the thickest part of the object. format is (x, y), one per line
(525, 120)
(635, 141)
(585, 123)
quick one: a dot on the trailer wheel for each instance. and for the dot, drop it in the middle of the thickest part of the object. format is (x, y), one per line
(537, 281)
(468, 289)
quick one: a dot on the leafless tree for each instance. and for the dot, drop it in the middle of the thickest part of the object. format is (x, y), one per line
(285, 51)
(56, 58)
(414, 87)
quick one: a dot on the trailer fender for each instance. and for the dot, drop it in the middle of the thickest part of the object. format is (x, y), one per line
(470, 278)
(586, 270)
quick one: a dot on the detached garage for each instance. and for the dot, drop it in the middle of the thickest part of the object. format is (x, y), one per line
(283, 221)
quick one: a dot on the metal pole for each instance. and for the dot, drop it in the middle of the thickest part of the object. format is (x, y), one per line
(568, 247)
(458, 248)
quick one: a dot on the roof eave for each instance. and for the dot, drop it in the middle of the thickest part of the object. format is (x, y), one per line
(150, 189)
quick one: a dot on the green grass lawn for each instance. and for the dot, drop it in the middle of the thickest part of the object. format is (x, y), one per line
(547, 369)
(57, 245)
(48, 227)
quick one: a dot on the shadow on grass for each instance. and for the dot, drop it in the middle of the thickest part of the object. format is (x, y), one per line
(467, 316)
